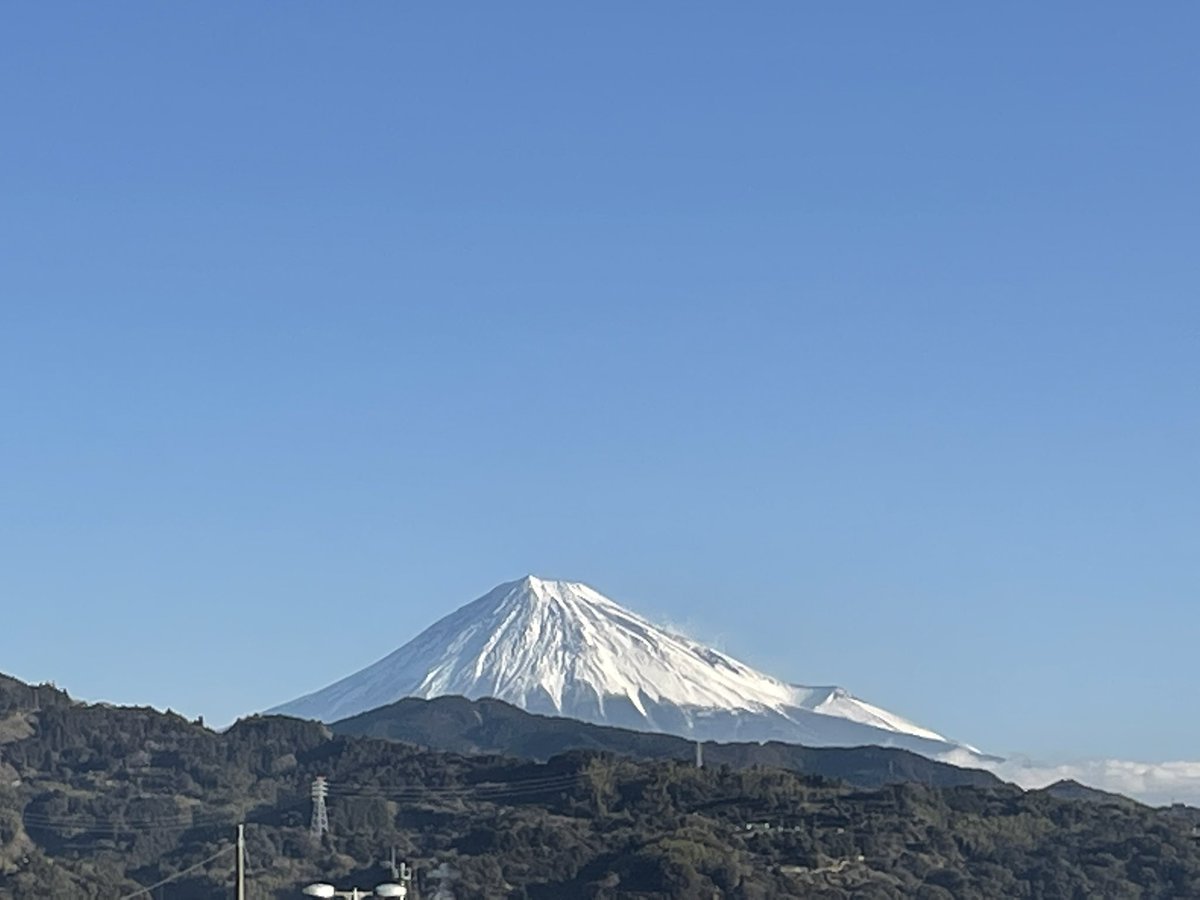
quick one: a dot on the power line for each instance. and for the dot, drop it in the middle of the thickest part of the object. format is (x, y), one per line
(201, 817)
(187, 871)
(125, 826)
(483, 790)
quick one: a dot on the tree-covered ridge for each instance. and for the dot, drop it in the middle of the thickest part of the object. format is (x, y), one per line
(493, 726)
(97, 801)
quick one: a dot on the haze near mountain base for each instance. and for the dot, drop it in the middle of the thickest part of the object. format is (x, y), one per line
(563, 648)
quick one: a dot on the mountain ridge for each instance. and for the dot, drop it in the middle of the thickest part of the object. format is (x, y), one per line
(456, 724)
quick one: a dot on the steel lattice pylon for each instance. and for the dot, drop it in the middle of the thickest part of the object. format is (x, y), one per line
(320, 815)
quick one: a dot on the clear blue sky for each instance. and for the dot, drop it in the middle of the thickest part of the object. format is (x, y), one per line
(862, 339)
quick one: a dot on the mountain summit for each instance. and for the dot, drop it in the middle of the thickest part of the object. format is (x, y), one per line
(563, 648)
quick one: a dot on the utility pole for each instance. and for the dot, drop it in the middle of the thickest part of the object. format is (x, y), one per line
(699, 755)
(241, 863)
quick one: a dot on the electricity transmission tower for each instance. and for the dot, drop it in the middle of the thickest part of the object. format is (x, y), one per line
(320, 815)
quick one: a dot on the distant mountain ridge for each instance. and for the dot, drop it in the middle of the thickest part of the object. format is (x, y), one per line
(490, 726)
(563, 648)
(1070, 789)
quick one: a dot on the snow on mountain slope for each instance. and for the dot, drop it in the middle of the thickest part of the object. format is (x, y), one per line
(563, 648)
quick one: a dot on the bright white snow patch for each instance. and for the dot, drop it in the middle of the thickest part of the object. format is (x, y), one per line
(839, 702)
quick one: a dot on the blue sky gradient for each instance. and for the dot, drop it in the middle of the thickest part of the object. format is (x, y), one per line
(863, 341)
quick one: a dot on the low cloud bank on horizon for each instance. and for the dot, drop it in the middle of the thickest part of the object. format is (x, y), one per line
(1158, 784)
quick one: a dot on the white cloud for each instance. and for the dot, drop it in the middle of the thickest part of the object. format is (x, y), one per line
(1155, 783)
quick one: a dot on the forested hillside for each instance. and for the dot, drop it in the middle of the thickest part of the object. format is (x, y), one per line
(97, 802)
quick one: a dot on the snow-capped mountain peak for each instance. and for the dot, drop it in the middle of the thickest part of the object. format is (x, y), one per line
(561, 647)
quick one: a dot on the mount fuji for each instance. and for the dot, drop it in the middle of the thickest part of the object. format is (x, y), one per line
(562, 648)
